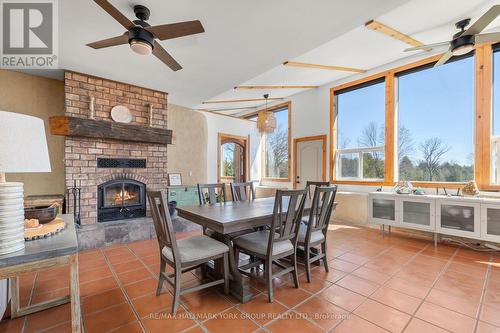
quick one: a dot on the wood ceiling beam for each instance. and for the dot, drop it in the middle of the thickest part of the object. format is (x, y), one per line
(273, 87)
(241, 100)
(327, 67)
(229, 109)
(393, 33)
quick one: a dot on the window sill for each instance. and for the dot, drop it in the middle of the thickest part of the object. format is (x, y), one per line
(284, 180)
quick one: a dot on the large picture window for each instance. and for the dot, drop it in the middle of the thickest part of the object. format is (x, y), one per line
(361, 132)
(436, 122)
(277, 146)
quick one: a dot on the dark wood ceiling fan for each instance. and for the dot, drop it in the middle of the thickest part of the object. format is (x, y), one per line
(463, 41)
(143, 37)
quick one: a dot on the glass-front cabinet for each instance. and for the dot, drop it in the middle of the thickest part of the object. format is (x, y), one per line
(417, 213)
(382, 209)
(490, 222)
(458, 218)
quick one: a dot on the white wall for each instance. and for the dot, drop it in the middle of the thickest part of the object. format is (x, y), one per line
(223, 124)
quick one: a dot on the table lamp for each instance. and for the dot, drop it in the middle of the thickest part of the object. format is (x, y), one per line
(23, 148)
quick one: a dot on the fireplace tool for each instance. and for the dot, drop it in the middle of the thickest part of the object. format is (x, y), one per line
(75, 192)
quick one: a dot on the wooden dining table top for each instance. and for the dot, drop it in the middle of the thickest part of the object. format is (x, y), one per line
(233, 216)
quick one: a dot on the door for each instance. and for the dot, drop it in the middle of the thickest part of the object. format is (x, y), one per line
(310, 159)
(232, 160)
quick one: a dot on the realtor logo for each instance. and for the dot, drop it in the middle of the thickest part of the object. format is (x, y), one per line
(29, 33)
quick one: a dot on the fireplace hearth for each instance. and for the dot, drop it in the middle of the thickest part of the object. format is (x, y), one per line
(121, 199)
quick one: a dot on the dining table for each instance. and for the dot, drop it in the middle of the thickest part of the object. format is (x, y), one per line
(227, 219)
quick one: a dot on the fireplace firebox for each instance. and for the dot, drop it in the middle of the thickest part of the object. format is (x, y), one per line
(121, 199)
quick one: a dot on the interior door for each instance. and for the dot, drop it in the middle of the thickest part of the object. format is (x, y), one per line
(309, 161)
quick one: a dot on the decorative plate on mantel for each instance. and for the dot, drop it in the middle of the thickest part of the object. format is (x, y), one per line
(121, 114)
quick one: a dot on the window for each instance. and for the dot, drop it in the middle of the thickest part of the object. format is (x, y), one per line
(232, 158)
(495, 139)
(361, 131)
(277, 146)
(436, 122)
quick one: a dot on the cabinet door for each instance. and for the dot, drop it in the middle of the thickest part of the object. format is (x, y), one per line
(382, 210)
(490, 222)
(417, 214)
(458, 218)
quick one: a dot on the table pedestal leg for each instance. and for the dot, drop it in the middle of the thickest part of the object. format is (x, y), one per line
(239, 284)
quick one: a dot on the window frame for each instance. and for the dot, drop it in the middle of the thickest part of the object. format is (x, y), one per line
(360, 150)
(483, 78)
(237, 139)
(276, 108)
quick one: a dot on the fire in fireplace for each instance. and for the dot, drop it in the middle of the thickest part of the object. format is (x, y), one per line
(121, 199)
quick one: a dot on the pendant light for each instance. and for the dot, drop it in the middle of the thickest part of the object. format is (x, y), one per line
(266, 121)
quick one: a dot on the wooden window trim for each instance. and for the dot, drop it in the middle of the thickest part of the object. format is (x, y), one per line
(483, 60)
(242, 140)
(303, 139)
(263, 146)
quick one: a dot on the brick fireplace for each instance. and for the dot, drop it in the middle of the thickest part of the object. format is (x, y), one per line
(82, 154)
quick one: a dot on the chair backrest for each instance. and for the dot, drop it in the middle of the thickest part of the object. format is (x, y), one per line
(287, 215)
(163, 223)
(322, 206)
(211, 193)
(310, 184)
(242, 191)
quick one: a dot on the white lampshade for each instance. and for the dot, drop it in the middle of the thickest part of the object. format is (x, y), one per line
(23, 145)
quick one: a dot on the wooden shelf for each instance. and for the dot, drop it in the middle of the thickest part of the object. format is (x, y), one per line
(100, 129)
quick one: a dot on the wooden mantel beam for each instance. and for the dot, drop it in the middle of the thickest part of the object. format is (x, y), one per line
(100, 129)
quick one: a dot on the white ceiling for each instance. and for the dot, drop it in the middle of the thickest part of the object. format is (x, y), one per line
(426, 20)
(242, 40)
(247, 41)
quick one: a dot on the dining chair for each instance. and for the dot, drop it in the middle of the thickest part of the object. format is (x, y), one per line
(242, 191)
(278, 242)
(185, 254)
(313, 234)
(211, 193)
(311, 183)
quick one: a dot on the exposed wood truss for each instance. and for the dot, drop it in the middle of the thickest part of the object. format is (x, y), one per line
(241, 100)
(273, 87)
(393, 33)
(326, 67)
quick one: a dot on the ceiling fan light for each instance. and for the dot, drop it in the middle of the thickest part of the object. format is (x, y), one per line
(463, 49)
(141, 47)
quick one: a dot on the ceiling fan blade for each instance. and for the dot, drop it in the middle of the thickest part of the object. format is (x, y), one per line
(426, 46)
(115, 13)
(113, 41)
(483, 21)
(444, 58)
(487, 38)
(175, 30)
(165, 57)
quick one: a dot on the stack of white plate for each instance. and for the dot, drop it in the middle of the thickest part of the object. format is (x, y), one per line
(11, 217)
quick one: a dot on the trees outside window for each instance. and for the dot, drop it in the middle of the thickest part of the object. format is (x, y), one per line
(436, 119)
(361, 132)
(276, 159)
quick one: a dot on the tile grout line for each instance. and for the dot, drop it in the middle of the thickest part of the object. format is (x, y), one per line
(483, 294)
(368, 297)
(441, 273)
(120, 285)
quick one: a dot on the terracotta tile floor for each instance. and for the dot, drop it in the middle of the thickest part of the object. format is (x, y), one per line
(395, 283)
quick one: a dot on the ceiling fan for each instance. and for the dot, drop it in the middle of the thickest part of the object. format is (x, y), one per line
(142, 37)
(463, 41)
